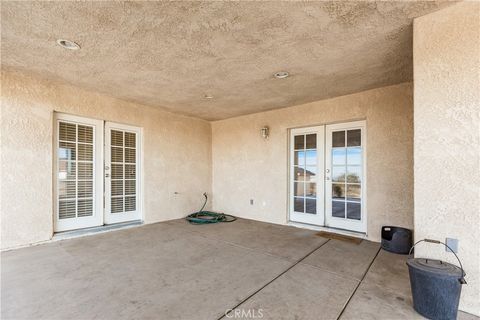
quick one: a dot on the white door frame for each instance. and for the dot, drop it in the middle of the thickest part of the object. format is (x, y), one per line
(97, 218)
(111, 218)
(342, 223)
(323, 218)
(308, 218)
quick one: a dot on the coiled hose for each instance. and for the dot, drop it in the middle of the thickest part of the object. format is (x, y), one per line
(204, 217)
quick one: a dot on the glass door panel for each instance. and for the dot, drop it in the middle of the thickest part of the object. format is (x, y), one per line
(344, 169)
(78, 183)
(122, 183)
(306, 163)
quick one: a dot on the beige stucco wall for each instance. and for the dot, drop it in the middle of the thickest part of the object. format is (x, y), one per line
(177, 154)
(447, 138)
(245, 166)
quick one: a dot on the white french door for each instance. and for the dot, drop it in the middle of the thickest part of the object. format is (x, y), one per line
(122, 173)
(306, 175)
(345, 183)
(78, 172)
(95, 184)
(329, 174)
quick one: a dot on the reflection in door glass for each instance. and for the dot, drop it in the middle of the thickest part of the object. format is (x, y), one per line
(298, 204)
(354, 138)
(299, 158)
(311, 206)
(338, 156)
(299, 142)
(338, 209)
(311, 141)
(310, 190)
(354, 210)
(354, 156)
(338, 139)
(311, 157)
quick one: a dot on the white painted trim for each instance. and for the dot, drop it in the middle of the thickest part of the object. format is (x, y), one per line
(138, 213)
(341, 223)
(97, 218)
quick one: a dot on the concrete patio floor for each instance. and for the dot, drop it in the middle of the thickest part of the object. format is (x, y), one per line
(173, 270)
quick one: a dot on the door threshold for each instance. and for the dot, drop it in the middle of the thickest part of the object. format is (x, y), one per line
(349, 233)
(94, 230)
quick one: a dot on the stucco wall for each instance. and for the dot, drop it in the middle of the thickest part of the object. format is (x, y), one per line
(447, 143)
(177, 154)
(245, 166)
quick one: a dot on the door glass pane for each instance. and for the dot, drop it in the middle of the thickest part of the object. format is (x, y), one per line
(354, 138)
(311, 190)
(298, 204)
(85, 189)
(298, 189)
(338, 174)
(354, 174)
(130, 171)
(130, 155)
(338, 209)
(311, 174)
(299, 158)
(67, 131)
(354, 192)
(354, 210)
(117, 187)
(67, 189)
(299, 142)
(130, 204)
(130, 187)
(311, 141)
(67, 151)
(67, 209)
(85, 152)
(66, 170)
(116, 205)
(85, 170)
(338, 191)
(354, 156)
(116, 138)
(85, 134)
(311, 156)
(117, 171)
(117, 154)
(338, 139)
(311, 206)
(338, 156)
(130, 139)
(299, 174)
(85, 207)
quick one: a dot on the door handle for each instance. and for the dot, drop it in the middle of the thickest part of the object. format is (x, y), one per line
(107, 175)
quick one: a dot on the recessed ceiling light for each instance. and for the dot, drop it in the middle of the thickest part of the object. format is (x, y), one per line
(281, 74)
(67, 44)
(208, 96)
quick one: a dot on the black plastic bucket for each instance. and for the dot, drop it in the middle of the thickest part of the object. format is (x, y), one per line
(396, 239)
(436, 285)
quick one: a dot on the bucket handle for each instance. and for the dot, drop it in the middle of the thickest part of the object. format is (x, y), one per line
(462, 279)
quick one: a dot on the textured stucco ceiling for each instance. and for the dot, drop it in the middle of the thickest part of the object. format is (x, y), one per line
(171, 54)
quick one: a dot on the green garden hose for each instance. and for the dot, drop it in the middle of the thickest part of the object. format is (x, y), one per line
(204, 217)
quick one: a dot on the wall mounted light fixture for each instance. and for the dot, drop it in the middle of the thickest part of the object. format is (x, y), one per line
(265, 132)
